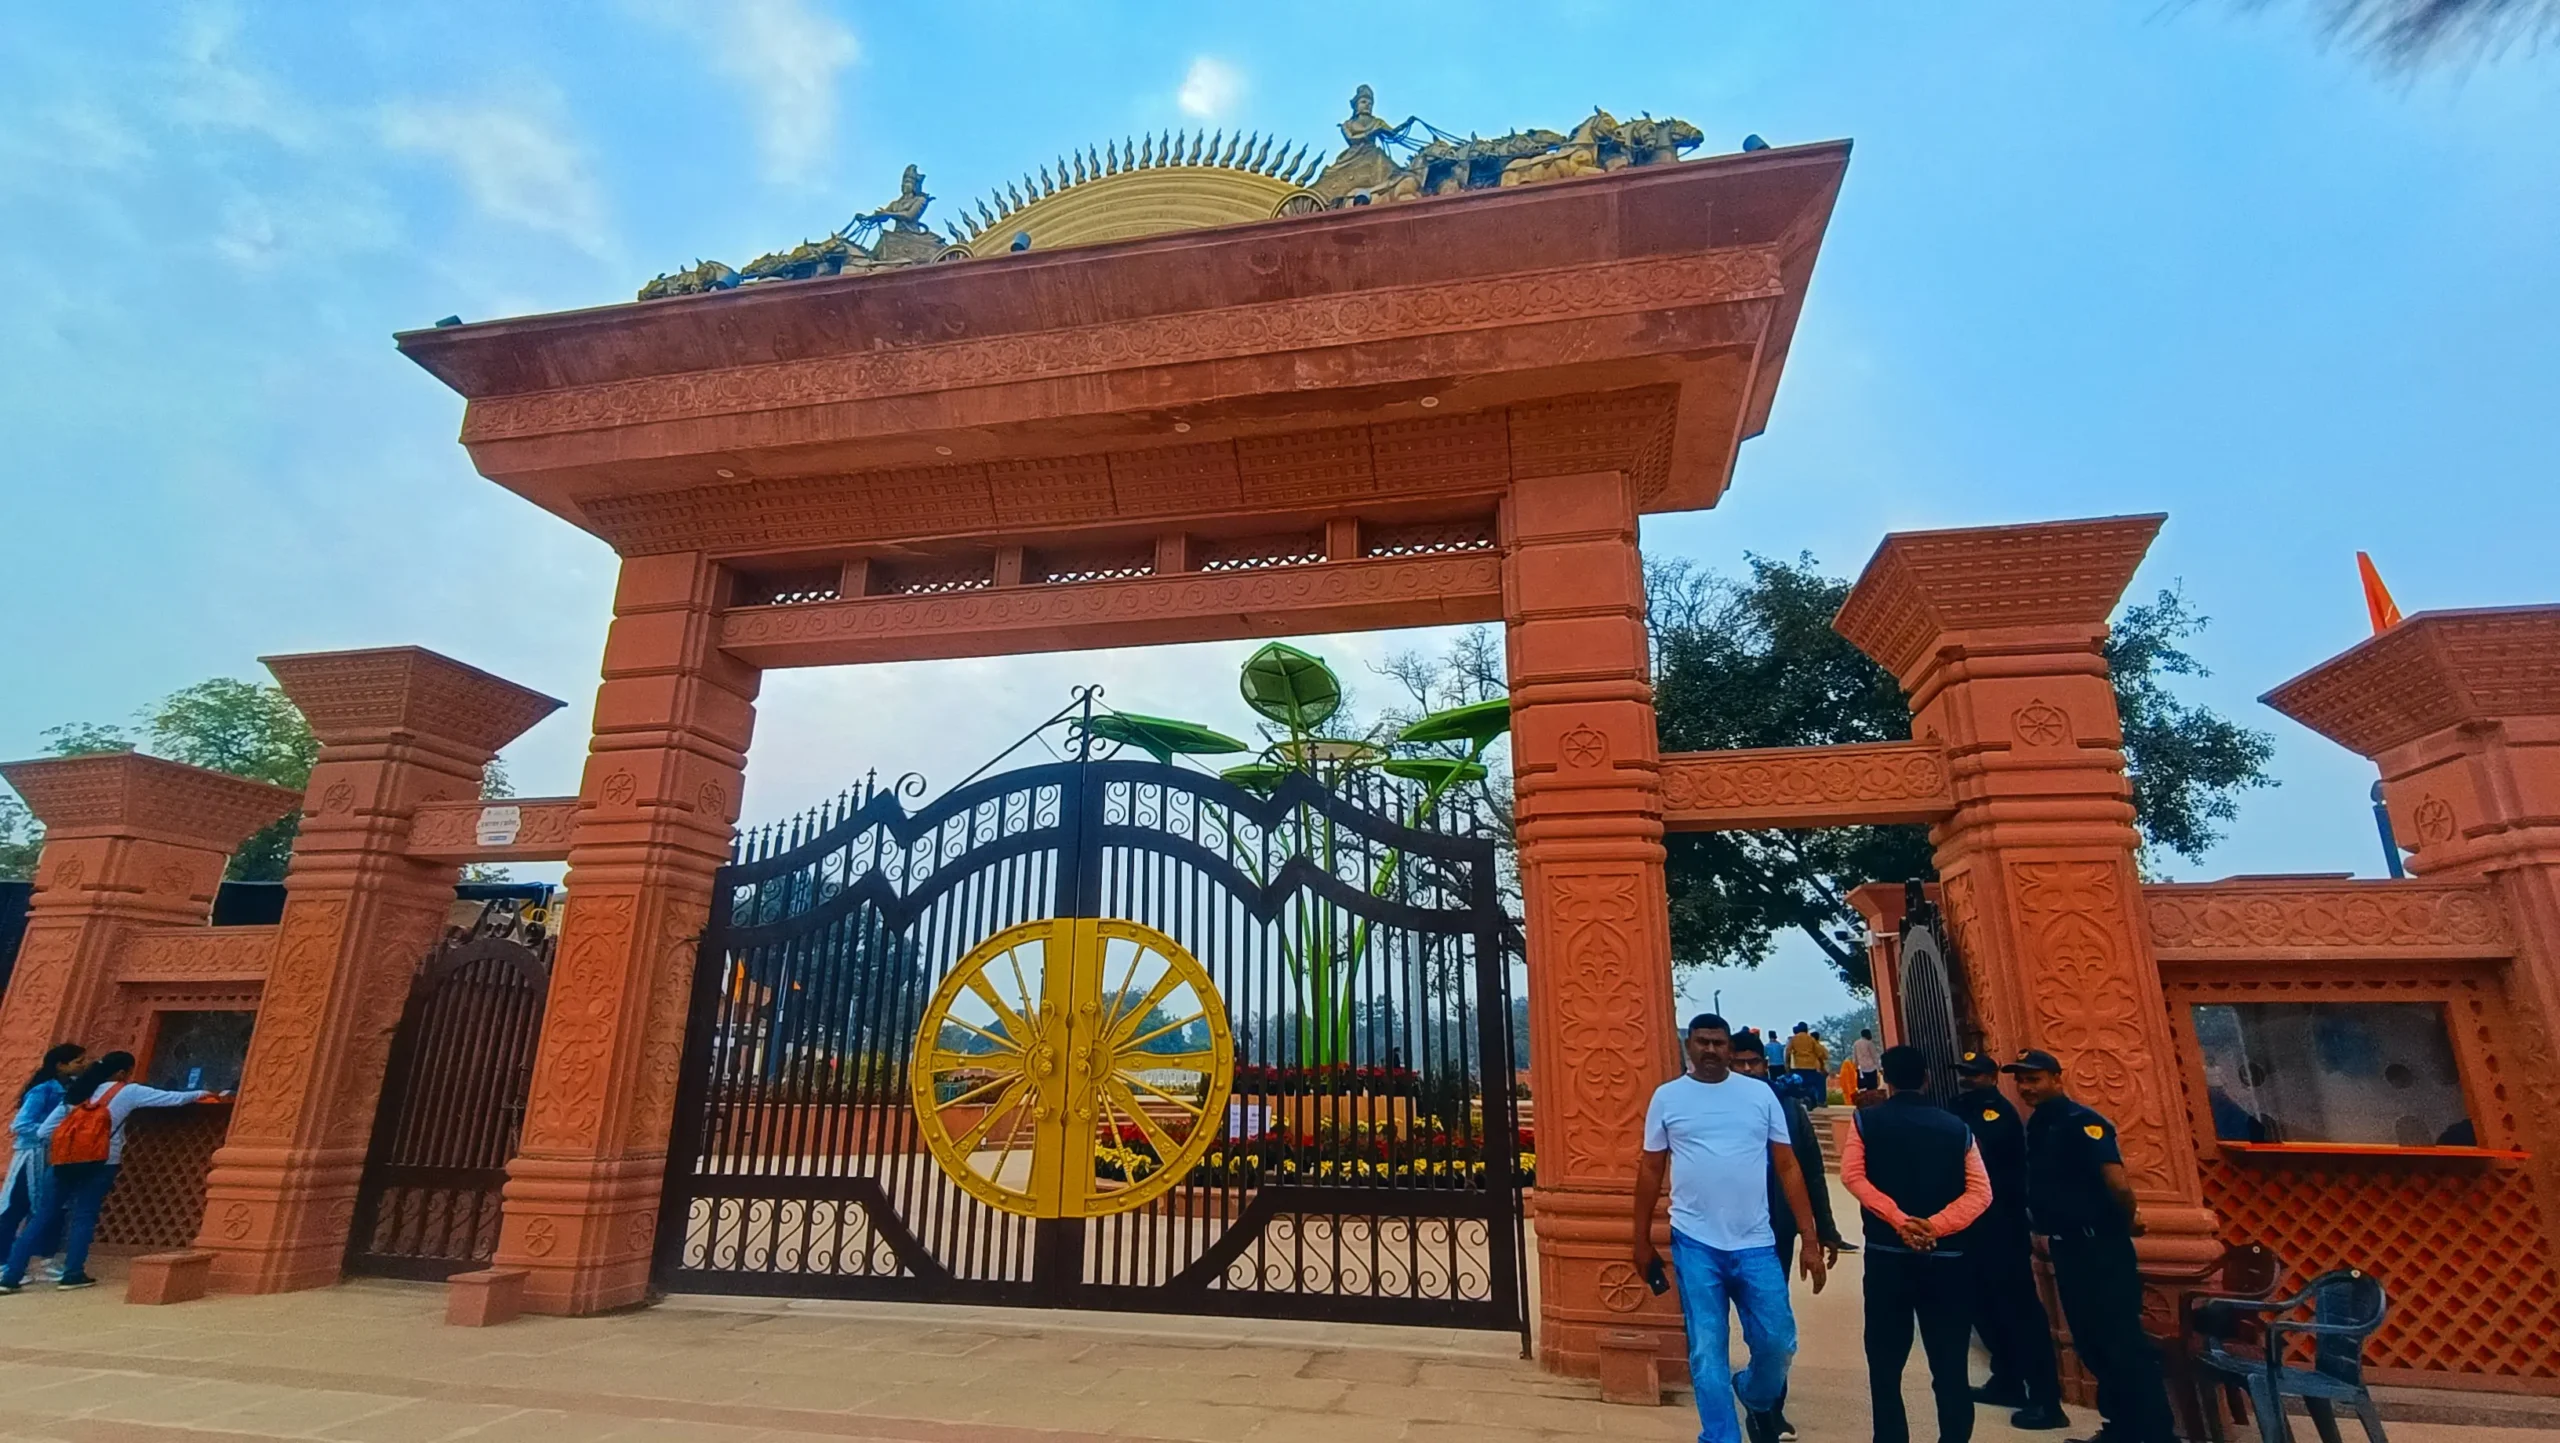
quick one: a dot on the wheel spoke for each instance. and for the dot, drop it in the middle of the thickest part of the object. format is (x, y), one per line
(1013, 1021)
(1165, 1146)
(1129, 1060)
(1003, 1104)
(1134, 1043)
(963, 1099)
(1171, 979)
(1131, 1079)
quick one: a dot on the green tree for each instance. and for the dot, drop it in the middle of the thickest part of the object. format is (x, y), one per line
(1754, 662)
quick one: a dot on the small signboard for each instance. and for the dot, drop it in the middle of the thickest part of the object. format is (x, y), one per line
(499, 826)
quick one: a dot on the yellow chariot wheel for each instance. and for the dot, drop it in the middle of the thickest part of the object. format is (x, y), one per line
(1072, 1067)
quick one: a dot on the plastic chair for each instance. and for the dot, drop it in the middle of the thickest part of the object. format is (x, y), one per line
(2250, 1273)
(2347, 1306)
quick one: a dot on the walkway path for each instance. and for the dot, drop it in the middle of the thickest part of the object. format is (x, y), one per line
(374, 1363)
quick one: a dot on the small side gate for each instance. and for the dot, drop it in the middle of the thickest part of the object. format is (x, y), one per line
(453, 1099)
(1109, 1034)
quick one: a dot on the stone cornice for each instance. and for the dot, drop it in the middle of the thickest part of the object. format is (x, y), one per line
(2435, 670)
(2324, 919)
(127, 793)
(905, 366)
(1273, 601)
(382, 692)
(1869, 784)
(1923, 585)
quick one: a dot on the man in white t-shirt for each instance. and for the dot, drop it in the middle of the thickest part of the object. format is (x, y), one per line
(1717, 1134)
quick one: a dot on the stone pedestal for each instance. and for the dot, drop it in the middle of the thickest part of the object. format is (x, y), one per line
(657, 804)
(130, 841)
(1996, 634)
(1601, 1031)
(2460, 710)
(397, 727)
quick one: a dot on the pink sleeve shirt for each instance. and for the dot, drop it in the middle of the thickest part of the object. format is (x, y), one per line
(1953, 1218)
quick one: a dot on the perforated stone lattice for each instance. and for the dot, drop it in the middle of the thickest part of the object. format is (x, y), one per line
(158, 1200)
(2472, 1289)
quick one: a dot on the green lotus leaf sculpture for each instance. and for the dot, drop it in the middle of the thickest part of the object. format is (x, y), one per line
(1437, 772)
(1477, 724)
(1261, 778)
(1163, 738)
(1291, 687)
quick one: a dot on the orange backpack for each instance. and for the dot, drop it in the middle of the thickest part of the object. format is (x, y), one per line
(88, 1132)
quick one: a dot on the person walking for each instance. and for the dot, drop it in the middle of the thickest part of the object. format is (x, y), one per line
(1713, 1134)
(1751, 1059)
(1809, 1060)
(2001, 1259)
(1920, 1184)
(1867, 1058)
(2079, 1199)
(85, 1134)
(30, 1178)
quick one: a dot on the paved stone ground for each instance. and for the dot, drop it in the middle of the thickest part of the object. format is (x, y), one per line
(372, 1362)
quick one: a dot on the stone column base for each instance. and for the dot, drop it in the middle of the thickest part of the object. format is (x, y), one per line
(276, 1219)
(582, 1230)
(1582, 1255)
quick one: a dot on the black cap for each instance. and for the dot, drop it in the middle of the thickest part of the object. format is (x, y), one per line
(2034, 1060)
(1976, 1064)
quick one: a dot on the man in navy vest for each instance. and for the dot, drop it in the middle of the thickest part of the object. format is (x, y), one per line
(2006, 1307)
(1919, 1182)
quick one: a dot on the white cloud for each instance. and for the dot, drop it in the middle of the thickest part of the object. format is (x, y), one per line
(512, 163)
(1210, 88)
(783, 55)
(212, 91)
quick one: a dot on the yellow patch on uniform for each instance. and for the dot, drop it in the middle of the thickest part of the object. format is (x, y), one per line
(1991, 1114)
(2094, 1130)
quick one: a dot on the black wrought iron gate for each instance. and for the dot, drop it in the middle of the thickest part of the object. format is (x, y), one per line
(453, 1098)
(1365, 1164)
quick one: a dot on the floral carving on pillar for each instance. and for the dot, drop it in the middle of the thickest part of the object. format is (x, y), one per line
(662, 1045)
(570, 1080)
(1601, 1022)
(291, 1014)
(2089, 1000)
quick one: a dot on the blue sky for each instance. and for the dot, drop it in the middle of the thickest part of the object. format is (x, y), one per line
(2091, 258)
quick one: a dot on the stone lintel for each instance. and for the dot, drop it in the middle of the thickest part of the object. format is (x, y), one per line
(377, 694)
(127, 793)
(1922, 587)
(1869, 784)
(2435, 671)
(469, 832)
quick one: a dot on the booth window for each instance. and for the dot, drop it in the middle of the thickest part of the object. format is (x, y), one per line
(200, 1050)
(2363, 1073)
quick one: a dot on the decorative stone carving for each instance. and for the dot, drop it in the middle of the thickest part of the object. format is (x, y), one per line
(1462, 586)
(571, 1073)
(2040, 724)
(1923, 584)
(196, 954)
(2088, 1001)
(350, 694)
(450, 831)
(1606, 1046)
(1872, 783)
(2430, 672)
(2362, 918)
(128, 793)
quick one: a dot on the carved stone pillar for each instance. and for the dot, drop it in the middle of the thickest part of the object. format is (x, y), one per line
(130, 841)
(397, 726)
(1996, 635)
(2460, 710)
(656, 808)
(1601, 1031)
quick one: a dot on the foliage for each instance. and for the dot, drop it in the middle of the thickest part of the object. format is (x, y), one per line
(21, 839)
(1754, 662)
(2412, 34)
(1842, 1028)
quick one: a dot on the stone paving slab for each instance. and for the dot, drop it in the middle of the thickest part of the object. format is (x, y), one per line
(372, 1362)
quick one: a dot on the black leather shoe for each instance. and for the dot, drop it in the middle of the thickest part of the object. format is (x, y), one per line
(1760, 1426)
(2039, 1417)
(1786, 1426)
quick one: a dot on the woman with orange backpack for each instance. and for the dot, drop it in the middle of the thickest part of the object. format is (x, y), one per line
(85, 1139)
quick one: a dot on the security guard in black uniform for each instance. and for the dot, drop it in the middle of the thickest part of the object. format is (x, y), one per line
(2077, 1196)
(2001, 1259)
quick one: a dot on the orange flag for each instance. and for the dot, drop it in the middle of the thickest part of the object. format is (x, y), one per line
(2377, 597)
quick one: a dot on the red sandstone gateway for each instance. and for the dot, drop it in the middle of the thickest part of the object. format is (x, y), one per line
(1452, 409)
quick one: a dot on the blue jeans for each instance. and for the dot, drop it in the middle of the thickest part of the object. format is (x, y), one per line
(1756, 1283)
(79, 1190)
(25, 1207)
